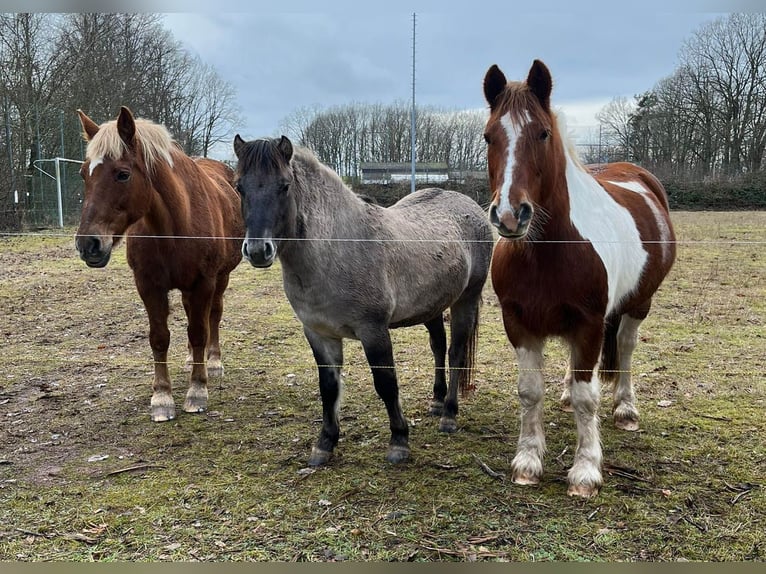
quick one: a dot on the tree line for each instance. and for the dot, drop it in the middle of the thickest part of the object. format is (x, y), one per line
(53, 64)
(345, 136)
(707, 119)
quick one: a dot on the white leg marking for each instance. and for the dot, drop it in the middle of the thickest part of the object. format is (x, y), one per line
(585, 475)
(527, 465)
(623, 399)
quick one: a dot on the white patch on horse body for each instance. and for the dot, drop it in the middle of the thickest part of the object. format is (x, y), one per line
(512, 132)
(662, 223)
(609, 227)
(94, 163)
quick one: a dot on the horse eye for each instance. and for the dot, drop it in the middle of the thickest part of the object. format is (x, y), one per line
(122, 176)
(239, 189)
(545, 134)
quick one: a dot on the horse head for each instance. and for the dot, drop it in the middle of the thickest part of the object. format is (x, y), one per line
(117, 186)
(264, 181)
(522, 145)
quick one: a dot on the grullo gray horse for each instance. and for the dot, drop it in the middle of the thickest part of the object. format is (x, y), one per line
(353, 269)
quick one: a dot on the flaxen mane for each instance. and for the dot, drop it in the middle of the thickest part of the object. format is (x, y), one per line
(156, 143)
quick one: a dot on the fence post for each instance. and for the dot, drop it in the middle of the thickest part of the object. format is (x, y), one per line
(58, 193)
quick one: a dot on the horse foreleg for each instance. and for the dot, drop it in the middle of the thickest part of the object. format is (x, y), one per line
(585, 475)
(624, 408)
(380, 356)
(197, 306)
(214, 362)
(328, 354)
(527, 465)
(438, 340)
(157, 308)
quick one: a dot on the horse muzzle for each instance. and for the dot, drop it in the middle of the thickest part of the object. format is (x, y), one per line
(93, 250)
(511, 223)
(259, 252)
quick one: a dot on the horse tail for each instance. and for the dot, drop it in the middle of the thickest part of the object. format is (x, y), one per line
(465, 381)
(609, 367)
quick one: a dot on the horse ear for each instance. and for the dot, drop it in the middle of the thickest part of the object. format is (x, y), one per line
(494, 85)
(285, 147)
(540, 82)
(89, 127)
(126, 126)
(239, 143)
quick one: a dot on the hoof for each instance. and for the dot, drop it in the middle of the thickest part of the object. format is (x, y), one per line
(397, 454)
(566, 407)
(582, 490)
(161, 414)
(319, 457)
(626, 417)
(526, 479)
(436, 408)
(526, 468)
(448, 425)
(215, 368)
(626, 424)
(162, 407)
(196, 399)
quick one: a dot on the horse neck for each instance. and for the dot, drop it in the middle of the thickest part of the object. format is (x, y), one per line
(558, 182)
(170, 208)
(324, 209)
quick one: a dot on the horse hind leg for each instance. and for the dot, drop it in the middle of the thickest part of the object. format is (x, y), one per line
(214, 361)
(438, 342)
(624, 410)
(464, 324)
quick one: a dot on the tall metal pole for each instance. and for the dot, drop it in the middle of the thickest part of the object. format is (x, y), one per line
(412, 114)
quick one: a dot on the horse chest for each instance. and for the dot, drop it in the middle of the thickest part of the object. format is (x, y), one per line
(545, 290)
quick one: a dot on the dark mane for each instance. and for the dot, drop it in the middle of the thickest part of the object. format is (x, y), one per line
(259, 154)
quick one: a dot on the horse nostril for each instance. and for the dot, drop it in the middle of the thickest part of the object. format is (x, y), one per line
(493, 218)
(268, 251)
(525, 213)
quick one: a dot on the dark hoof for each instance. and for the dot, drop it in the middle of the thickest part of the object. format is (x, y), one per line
(319, 457)
(397, 454)
(448, 425)
(437, 407)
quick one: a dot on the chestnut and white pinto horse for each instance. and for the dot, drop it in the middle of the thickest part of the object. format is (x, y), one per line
(581, 253)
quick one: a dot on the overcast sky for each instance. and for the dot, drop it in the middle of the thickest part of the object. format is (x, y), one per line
(280, 62)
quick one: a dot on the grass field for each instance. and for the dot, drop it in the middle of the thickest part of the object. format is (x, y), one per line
(85, 476)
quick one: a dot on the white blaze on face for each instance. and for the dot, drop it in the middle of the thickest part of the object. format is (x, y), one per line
(662, 224)
(513, 133)
(94, 163)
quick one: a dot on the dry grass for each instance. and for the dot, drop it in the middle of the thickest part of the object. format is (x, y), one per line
(231, 484)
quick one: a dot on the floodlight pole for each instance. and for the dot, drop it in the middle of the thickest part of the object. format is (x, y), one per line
(412, 114)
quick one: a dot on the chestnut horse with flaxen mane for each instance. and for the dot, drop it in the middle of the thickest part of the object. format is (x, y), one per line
(183, 225)
(582, 251)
